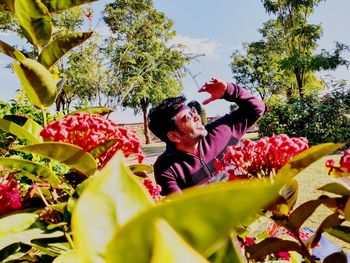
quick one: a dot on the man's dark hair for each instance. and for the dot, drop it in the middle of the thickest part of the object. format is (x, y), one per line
(160, 118)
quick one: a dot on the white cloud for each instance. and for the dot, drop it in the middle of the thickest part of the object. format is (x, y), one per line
(199, 45)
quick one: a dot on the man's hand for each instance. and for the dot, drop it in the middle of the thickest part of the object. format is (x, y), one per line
(216, 88)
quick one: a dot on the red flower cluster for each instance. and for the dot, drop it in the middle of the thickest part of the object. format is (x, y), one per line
(341, 169)
(153, 189)
(10, 195)
(263, 158)
(91, 130)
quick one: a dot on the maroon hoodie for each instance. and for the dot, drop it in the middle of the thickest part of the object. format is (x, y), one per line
(175, 170)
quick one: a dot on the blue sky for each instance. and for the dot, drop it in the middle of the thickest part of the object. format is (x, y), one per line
(214, 28)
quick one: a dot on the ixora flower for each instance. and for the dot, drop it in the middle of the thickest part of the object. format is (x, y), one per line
(10, 194)
(262, 158)
(91, 130)
(343, 168)
(153, 189)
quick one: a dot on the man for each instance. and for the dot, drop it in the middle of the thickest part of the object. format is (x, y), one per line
(192, 148)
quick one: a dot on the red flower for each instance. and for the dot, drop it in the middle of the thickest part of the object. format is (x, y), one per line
(10, 195)
(91, 130)
(153, 189)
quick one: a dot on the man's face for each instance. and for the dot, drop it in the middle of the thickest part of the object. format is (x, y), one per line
(190, 127)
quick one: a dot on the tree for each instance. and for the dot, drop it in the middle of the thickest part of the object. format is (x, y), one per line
(145, 67)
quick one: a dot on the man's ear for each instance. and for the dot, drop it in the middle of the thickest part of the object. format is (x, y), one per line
(173, 136)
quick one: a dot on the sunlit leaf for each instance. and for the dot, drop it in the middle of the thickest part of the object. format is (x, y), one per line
(95, 110)
(69, 154)
(37, 82)
(101, 148)
(109, 201)
(35, 21)
(336, 188)
(35, 171)
(16, 223)
(59, 5)
(68, 257)
(341, 232)
(60, 46)
(272, 245)
(11, 51)
(18, 131)
(304, 159)
(171, 248)
(26, 123)
(230, 204)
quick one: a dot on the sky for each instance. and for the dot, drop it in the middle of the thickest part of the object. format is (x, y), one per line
(215, 29)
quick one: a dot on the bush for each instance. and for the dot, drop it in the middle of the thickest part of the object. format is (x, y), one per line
(318, 118)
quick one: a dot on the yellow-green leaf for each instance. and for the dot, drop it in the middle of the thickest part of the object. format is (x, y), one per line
(59, 5)
(341, 232)
(37, 82)
(304, 159)
(95, 110)
(203, 216)
(35, 171)
(68, 257)
(11, 51)
(171, 248)
(16, 223)
(110, 200)
(60, 46)
(35, 20)
(341, 186)
(69, 154)
(101, 148)
(18, 131)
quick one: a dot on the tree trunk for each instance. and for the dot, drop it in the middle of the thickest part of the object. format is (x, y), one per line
(145, 124)
(299, 77)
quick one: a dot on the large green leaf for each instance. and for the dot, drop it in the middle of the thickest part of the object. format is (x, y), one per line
(35, 21)
(35, 171)
(22, 132)
(101, 148)
(171, 248)
(340, 186)
(16, 223)
(69, 154)
(95, 110)
(37, 82)
(304, 159)
(203, 216)
(60, 46)
(109, 201)
(59, 5)
(69, 257)
(11, 51)
(341, 232)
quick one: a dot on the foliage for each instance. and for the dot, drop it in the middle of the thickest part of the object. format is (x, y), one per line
(145, 67)
(318, 118)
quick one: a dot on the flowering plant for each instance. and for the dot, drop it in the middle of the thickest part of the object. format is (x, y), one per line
(260, 159)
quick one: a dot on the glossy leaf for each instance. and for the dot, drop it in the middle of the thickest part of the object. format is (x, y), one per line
(109, 201)
(230, 204)
(101, 148)
(18, 131)
(26, 123)
(35, 171)
(336, 188)
(16, 223)
(171, 248)
(272, 245)
(11, 51)
(68, 257)
(341, 232)
(60, 46)
(95, 110)
(35, 20)
(69, 154)
(59, 5)
(135, 168)
(304, 159)
(37, 82)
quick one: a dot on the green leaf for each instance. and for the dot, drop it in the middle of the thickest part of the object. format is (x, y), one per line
(35, 20)
(68, 257)
(69, 154)
(11, 51)
(59, 5)
(230, 251)
(271, 246)
(170, 247)
(24, 132)
(204, 229)
(16, 223)
(136, 168)
(341, 232)
(101, 148)
(60, 46)
(109, 201)
(95, 110)
(37, 82)
(35, 171)
(304, 159)
(340, 187)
